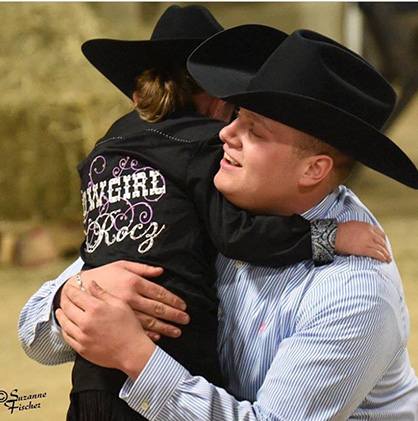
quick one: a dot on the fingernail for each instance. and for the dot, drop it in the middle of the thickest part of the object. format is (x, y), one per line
(181, 305)
(153, 336)
(175, 332)
(185, 318)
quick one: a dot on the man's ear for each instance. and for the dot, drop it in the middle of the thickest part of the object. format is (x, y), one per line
(317, 168)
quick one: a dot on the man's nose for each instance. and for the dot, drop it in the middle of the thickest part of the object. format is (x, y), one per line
(229, 134)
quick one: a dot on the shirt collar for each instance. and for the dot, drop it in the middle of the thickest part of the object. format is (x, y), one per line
(321, 209)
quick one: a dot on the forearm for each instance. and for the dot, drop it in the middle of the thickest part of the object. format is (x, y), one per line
(38, 331)
(270, 240)
(334, 346)
(166, 391)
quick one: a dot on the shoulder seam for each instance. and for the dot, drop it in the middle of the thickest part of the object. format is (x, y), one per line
(170, 137)
(107, 140)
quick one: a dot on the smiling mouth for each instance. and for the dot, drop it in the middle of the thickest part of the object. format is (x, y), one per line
(231, 160)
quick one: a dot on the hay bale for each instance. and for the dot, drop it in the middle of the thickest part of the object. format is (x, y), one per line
(35, 247)
(54, 106)
(32, 243)
(26, 243)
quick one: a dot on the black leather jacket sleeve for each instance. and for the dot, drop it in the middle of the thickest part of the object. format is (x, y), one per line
(258, 239)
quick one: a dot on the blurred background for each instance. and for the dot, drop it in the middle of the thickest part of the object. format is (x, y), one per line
(54, 106)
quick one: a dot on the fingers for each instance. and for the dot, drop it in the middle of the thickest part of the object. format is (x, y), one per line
(98, 292)
(141, 269)
(379, 251)
(384, 252)
(379, 238)
(158, 293)
(379, 241)
(79, 298)
(362, 239)
(150, 289)
(133, 275)
(155, 337)
(379, 232)
(151, 324)
(70, 331)
(72, 311)
(382, 256)
(159, 310)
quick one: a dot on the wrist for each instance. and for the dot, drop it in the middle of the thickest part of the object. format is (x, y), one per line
(323, 234)
(135, 361)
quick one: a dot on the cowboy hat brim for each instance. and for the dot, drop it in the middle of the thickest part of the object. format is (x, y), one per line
(322, 121)
(218, 66)
(122, 61)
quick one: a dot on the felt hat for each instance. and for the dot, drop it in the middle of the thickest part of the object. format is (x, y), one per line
(308, 82)
(177, 33)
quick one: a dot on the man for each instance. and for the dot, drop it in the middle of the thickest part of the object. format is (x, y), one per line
(299, 343)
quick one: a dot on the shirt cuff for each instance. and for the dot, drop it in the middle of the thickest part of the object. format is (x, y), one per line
(323, 233)
(55, 326)
(47, 315)
(153, 388)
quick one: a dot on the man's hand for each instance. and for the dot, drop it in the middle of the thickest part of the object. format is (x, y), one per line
(104, 329)
(151, 302)
(362, 239)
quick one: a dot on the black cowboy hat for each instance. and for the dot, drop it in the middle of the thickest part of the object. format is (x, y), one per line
(308, 82)
(177, 33)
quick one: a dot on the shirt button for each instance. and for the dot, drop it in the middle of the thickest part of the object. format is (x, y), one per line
(238, 264)
(144, 406)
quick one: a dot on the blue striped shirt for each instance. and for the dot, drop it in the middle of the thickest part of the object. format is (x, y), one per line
(295, 343)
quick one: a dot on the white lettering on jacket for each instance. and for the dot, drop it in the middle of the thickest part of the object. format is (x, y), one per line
(134, 189)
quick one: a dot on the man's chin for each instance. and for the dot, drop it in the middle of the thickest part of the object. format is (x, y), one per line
(222, 186)
(237, 197)
(220, 183)
(232, 195)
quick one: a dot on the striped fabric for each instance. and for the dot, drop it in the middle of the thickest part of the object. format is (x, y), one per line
(38, 331)
(295, 343)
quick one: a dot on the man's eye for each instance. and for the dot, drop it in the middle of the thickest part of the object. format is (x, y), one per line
(235, 114)
(255, 134)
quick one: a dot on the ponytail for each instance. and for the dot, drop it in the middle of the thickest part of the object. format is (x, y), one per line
(160, 92)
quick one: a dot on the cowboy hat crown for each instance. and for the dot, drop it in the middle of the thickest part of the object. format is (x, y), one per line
(177, 33)
(317, 67)
(177, 22)
(308, 82)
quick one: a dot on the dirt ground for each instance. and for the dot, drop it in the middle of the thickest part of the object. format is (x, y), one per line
(395, 206)
(17, 370)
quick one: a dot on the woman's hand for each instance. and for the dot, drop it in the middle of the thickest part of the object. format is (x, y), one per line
(153, 304)
(362, 239)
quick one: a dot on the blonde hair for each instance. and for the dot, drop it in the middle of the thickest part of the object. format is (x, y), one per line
(307, 145)
(161, 92)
